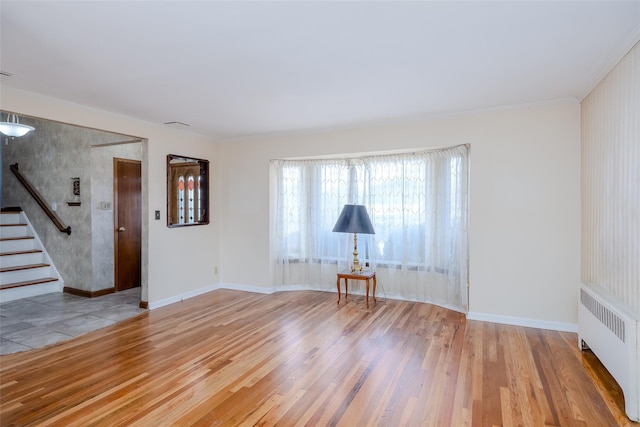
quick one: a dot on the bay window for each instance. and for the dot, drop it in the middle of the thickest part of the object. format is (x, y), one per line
(418, 206)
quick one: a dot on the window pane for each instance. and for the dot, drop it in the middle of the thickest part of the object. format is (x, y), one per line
(181, 199)
(191, 201)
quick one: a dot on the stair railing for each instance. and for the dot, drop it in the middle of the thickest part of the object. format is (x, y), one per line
(39, 199)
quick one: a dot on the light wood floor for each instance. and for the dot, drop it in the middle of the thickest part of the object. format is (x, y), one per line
(297, 358)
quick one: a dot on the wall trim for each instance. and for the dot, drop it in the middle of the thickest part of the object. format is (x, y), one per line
(248, 288)
(523, 321)
(281, 288)
(231, 286)
(483, 317)
(186, 295)
(288, 288)
(88, 294)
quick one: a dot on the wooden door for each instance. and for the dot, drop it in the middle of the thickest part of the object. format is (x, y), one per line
(127, 196)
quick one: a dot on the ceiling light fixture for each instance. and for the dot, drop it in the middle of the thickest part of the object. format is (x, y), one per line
(12, 127)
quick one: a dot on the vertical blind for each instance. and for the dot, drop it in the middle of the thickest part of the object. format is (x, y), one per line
(418, 206)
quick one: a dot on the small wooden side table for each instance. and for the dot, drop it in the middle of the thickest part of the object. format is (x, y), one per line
(363, 275)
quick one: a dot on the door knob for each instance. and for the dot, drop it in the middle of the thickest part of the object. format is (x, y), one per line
(121, 229)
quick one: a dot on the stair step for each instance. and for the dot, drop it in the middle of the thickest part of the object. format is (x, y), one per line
(23, 267)
(28, 283)
(13, 230)
(14, 258)
(25, 272)
(14, 244)
(31, 251)
(7, 239)
(10, 217)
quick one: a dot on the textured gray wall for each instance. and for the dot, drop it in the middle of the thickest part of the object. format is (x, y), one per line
(49, 157)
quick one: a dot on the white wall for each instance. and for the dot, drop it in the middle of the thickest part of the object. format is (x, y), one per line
(175, 261)
(524, 217)
(524, 203)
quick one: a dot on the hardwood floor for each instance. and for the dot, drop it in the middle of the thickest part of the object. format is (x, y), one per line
(298, 358)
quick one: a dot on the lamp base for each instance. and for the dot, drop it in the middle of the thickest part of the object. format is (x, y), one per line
(356, 267)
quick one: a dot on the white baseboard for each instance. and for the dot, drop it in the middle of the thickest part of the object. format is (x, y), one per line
(248, 288)
(273, 289)
(522, 321)
(484, 317)
(236, 287)
(183, 296)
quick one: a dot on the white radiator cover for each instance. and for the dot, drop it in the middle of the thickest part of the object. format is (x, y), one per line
(611, 332)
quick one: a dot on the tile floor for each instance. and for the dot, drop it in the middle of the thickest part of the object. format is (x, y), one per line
(47, 319)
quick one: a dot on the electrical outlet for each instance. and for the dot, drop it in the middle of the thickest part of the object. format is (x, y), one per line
(157, 215)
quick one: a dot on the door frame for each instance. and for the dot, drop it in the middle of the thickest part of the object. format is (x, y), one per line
(116, 161)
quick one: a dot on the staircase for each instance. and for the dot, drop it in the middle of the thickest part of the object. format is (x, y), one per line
(26, 269)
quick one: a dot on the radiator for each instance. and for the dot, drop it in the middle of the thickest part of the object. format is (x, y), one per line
(612, 334)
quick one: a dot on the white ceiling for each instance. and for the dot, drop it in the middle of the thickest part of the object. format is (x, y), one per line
(232, 69)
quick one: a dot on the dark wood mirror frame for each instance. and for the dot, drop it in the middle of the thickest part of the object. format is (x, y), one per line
(184, 173)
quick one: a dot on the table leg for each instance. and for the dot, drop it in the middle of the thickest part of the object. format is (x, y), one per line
(338, 285)
(367, 293)
(346, 288)
(374, 289)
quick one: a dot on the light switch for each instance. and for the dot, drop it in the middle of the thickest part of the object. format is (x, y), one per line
(157, 215)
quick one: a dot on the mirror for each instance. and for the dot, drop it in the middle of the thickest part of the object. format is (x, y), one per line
(187, 191)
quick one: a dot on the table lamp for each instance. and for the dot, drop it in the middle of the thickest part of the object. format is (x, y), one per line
(354, 219)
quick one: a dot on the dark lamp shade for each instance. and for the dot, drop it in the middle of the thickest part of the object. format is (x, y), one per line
(354, 219)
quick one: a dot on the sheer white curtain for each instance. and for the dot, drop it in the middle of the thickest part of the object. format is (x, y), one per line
(418, 206)
(308, 197)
